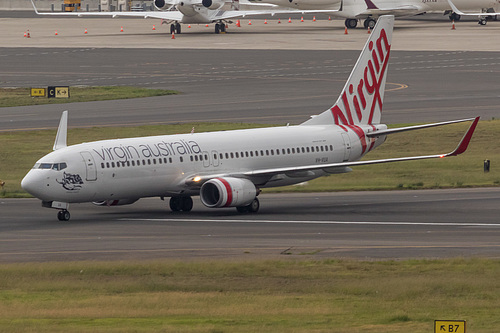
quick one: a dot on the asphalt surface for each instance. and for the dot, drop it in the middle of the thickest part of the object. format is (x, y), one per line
(284, 75)
(363, 225)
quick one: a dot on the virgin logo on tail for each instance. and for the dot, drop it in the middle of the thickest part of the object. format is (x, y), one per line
(367, 94)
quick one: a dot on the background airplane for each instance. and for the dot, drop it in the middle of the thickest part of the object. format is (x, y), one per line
(228, 169)
(482, 16)
(370, 10)
(176, 12)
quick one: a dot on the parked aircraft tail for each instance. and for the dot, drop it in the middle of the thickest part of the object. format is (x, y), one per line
(361, 100)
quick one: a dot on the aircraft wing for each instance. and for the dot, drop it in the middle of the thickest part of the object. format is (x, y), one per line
(231, 14)
(456, 10)
(166, 15)
(405, 10)
(198, 180)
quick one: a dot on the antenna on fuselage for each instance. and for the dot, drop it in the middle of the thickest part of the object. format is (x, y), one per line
(62, 132)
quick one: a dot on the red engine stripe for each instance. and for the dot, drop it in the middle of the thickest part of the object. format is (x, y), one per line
(229, 192)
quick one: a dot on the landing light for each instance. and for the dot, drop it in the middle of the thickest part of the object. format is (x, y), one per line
(197, 179)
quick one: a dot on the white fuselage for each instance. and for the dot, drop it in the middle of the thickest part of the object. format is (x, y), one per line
(159, 165)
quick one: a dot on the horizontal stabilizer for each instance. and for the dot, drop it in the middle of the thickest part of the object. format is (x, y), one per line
(456, 10)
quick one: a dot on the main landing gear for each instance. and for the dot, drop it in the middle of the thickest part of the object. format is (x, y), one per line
(181, 203)
(253, 207)
(353, 23)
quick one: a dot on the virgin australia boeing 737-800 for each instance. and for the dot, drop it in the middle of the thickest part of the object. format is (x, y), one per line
(228, 169)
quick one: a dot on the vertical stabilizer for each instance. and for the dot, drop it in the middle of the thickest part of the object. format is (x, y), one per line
(360, 102)
(62, 132)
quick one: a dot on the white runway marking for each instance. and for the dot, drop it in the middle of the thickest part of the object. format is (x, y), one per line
(453, 224)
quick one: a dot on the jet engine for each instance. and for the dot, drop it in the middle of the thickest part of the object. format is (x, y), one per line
(227, 192)
(212, 4)
(120, 202)
(161, 4)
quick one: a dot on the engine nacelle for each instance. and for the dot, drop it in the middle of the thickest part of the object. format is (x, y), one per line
(227, 192)
(120, 202)
(161, 4)
(212, 4)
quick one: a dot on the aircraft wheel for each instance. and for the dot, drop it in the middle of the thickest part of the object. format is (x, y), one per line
(175, 204)
(217, 28)
(351, 23)
(482, 21)
(63, 215)
(253, 207)
(186, 204)
(172, 28)
(222, 27)
(178, 28)
(370, 23)
(455, 17)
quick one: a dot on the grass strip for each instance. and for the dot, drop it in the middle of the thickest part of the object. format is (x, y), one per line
(20, 150)
(21, 96)
(271, 296)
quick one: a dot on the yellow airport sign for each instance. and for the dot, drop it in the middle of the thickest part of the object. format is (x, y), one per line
(38, 92)
(449, 326)
(58, 92)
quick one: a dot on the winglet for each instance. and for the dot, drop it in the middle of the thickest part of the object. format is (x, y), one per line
(462, 146)
(62, 132)
(34, 7)
(454, 8)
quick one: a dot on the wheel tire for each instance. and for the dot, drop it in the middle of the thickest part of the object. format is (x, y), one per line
(222, 27)
(371, 24)
(242, 209)
(186, 204)
(63, 215)
(254, 206)
(217, 28)
(178, 28)
(175, 204)
(351, 23)
(172, 29)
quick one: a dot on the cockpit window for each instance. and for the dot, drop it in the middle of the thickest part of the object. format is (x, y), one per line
(53, 166)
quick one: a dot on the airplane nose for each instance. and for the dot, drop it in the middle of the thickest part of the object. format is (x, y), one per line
(31, 184)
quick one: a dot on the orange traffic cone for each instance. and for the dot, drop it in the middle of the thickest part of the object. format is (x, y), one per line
(302, 19)
(369, 31)
(25, 34)
(189, 26)
(314, 18)
(85, 32)
(121, 29)
(453, 25)
(345, 31)
(56, 33)
(154, 28)
(28, 35)
(206, 26)
(173, 35)
(289, 20)
(265, 21)
(329, 18)
(238, 24)
(249, 22)
(279, 21)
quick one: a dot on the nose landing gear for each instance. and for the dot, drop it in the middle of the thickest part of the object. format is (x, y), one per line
(63, 215)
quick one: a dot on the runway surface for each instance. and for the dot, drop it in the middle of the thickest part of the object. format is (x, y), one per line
(278, 75)
(363, 225)
(263, 86)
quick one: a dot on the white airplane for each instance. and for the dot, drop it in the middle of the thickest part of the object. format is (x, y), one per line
(228, 168)
(483, 16)
(186, 12)
(370, 10)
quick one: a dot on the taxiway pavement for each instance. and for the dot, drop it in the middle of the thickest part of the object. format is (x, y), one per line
(362, 225)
